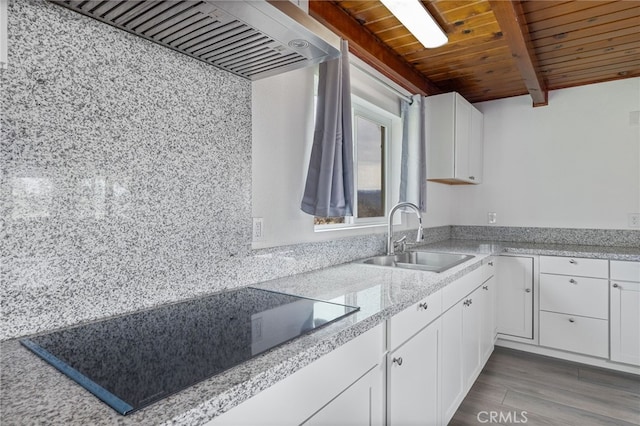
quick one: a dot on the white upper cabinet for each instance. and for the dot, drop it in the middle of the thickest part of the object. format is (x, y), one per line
(454, 139)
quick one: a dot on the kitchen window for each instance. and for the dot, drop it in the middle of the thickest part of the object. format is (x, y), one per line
(371, 136)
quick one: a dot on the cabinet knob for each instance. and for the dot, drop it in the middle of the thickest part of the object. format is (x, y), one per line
(615, 285)
(528, 290)
(423, 306)
(472, 177)
(572, 281)
(397, 360)
(572, 320)
(573, 261)
(491, 263)
(485, 287)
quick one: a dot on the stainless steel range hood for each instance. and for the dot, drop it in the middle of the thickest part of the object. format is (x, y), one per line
(250, 38)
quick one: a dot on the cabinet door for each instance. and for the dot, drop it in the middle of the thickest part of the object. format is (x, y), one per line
(300, 396)
(488, 332)
(462, 142)
(515, 296)
(360, 404)
(413, 380)
(472, 313)
(625, 322)
(451, 388)
(476, 146)
(460, 358)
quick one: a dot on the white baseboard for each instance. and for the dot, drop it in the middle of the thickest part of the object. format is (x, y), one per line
(569, 356)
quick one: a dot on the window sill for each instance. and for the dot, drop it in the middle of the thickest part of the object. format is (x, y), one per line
(330, 228)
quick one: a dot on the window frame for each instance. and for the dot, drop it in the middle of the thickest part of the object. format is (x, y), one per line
(366, 110)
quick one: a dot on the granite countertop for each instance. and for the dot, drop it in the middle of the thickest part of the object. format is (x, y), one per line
(34, 392)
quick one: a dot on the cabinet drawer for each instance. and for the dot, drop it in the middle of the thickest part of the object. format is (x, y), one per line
(413, 319)
(588, 336)
(461, 287)
(597, 268)
(588, 297)
(622, 270)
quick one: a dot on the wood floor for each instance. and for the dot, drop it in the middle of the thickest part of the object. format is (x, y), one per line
(526, 389)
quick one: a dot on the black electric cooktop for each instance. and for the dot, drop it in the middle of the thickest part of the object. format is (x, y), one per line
(132, 361)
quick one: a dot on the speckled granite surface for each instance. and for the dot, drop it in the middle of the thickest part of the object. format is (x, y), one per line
(568, 250)
(126, 177)
(126, 172)
(583, 237)
(125, 185)
(33, 392)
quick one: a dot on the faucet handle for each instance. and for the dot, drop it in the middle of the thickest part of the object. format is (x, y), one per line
(402, 243)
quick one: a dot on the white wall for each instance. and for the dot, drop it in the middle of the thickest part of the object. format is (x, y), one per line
(282, 132)
(574, 163)
(439, 205)
(282, 126)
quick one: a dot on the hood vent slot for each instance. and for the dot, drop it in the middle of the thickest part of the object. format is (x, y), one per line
(253, 38)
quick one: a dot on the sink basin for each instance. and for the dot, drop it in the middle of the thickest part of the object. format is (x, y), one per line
(423, 260)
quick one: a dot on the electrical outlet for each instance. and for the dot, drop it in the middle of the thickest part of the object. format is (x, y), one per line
(258, 225)
(492, 218)
(634, 220)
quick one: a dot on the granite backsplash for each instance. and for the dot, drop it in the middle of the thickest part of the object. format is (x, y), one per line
(126, 179)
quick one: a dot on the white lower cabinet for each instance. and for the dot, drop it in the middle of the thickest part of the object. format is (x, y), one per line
(583, 335)
(624, 290)
(471, 335)
(488, 332)
(345, 386)
(451, 389)
(432, 361)
(515, 302)
(358, 405)
(413, 380)
(468, 334)
(574, 308)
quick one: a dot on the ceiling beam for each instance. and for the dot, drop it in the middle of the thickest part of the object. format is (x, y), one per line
(512, 23)
(370, 49)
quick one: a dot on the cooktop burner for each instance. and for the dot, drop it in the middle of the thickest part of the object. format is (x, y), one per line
(132, 361)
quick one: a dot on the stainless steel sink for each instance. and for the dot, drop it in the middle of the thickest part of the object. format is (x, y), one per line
(423, 260)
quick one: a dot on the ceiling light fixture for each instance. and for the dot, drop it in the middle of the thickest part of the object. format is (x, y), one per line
(413, 15)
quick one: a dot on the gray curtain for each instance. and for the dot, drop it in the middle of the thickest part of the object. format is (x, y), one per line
(329, 188)
(413, 161)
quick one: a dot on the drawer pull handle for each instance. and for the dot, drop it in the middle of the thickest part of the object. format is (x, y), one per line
(573, 262)
(423, 306)
(615, 285)
(572, 281)
(528, 290)
(397, 360)
(572, 320)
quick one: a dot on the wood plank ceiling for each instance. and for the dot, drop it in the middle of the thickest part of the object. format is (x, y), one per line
(496, 48)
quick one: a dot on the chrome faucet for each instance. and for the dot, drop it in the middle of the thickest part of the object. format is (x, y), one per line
(392, 244)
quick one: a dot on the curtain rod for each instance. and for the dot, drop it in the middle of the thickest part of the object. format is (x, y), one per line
(384, 84)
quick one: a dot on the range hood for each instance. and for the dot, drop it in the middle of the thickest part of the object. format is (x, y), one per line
(250, 38)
